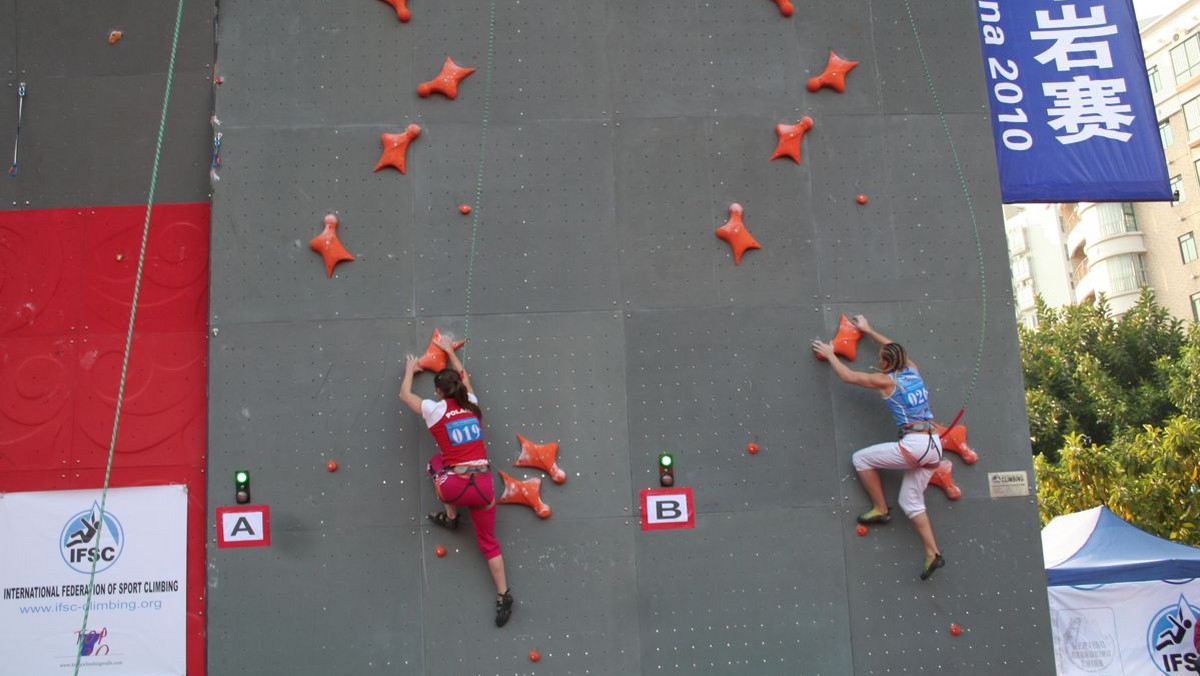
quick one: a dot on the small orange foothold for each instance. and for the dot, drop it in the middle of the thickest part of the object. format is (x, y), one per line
(861, 199)
(534, 656)
(440, 551)
(464, 209)
(861, 530)
(955, 630)
(331, 465)
(785, 7)
(114, 37)
(752, 448)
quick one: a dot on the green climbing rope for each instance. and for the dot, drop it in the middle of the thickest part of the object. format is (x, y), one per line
(137, 284)
(970, 209)
(483, 137)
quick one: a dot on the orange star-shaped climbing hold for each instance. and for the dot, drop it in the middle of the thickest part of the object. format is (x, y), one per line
(328, 245)
(446, 83)
(790, 136)
(735, 233)
(527, 492)
(943, 478)
(435, 358)
(541, 456)
(956, 442)
(834, 76)
(401, 7)
(395, 148)
(845, 343)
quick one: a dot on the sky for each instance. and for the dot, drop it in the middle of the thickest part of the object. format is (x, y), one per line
(1149, 8)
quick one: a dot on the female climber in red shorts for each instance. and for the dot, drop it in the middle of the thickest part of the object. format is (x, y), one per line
(461, 474)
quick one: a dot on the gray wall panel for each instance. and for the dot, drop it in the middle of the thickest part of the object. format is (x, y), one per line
(92, 109)
(605, 315)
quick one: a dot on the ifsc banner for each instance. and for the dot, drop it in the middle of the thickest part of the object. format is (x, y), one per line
(1072, 114)
(137, 619)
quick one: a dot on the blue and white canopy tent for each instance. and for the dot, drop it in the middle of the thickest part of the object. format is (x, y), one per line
(1122, 601)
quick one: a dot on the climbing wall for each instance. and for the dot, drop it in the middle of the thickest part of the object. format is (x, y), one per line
(600, 145)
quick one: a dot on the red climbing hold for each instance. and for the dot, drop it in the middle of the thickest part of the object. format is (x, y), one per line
(331, 465)
(541, 456)
(114, 37)
(446, 82)
(534, 656)
(861, 530)
(845, 343)
(956, 442)
(435, 358)
(527, 492)
(943, 478)
(785, 7)
(752, 448)
(735, 233)
(790, 136)
(328, 245)
(834, 75)
(464, 209)
(401, 7)
(861, 198)
(440, 551)
(955, 630)
(395, 148)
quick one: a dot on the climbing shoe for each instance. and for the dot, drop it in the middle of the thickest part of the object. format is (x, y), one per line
(873, 516)
(444, 521)
(931, 566)
(504, 605)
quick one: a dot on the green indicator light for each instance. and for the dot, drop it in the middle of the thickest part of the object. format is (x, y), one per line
(665, 460)
(242, 477)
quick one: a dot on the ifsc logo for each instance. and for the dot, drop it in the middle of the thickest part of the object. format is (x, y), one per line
(83, 541)
(1173, 638)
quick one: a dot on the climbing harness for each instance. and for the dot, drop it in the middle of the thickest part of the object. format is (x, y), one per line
(918, 463)
(974, 221)
(487, 107)
(137, 284)
(12, 168)
(469, 471)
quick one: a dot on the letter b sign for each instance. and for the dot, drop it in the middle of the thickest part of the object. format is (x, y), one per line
(667, 508)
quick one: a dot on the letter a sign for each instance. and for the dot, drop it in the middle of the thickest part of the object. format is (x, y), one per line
(667, 508)
(248, 526)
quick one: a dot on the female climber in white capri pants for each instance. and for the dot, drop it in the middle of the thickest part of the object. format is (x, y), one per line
(919, 449)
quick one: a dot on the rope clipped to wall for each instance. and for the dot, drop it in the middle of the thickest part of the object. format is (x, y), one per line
(137, 285)
(974, 221)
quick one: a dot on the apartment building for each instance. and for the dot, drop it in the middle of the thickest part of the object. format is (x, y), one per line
(1037, 248)
(1169, 230)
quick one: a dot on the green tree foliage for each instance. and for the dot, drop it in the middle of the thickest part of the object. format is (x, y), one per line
(1150, 478)
(1114, 408)
(1089, 374)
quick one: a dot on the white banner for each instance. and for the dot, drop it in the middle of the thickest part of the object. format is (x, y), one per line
(136, 625)
(1127, 629)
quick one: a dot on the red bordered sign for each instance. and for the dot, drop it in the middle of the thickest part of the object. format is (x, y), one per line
(248, 526)
(664, 508)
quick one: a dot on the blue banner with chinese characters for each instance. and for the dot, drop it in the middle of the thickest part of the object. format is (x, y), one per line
(1072, 113)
